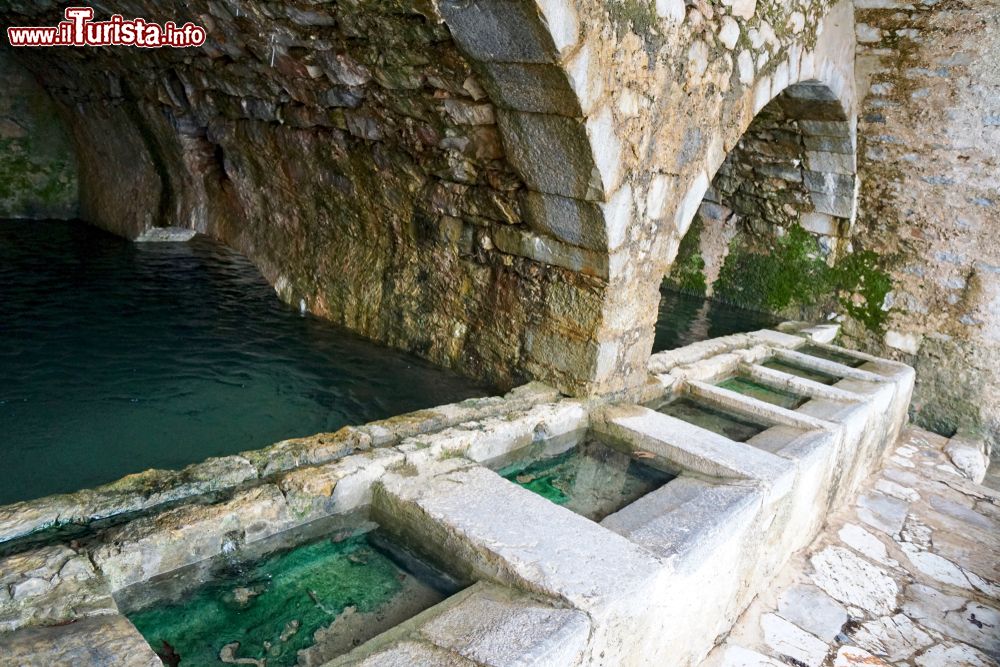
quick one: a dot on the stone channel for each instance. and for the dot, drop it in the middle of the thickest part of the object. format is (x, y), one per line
(663, 574)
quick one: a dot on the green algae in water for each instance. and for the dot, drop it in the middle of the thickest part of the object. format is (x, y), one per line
(718, 421)
(748, 387)
(831, 355)
(800, 371)
(274, 607)
(590, 479)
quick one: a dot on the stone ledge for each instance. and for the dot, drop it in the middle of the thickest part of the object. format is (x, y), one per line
(684, 446)
(157, 489)
(108, 641)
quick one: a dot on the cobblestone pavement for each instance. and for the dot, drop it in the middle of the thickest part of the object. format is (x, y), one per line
(907, 576)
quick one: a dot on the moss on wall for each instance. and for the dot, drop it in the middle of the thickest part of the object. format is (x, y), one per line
(688, 273)
(788, 274)
(37, 166)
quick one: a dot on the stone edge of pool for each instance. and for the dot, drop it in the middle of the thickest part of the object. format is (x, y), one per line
(634, 587)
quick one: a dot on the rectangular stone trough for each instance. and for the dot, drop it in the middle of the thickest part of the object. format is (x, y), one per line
(654, 580)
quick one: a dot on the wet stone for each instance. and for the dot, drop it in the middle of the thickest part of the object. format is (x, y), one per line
(723, 422)
(801, 371)
(590, 479)
(305, 605)
(747, 387)
(831, 355)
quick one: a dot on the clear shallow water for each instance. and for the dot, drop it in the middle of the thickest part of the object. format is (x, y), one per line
(117, 357)
(725, 423)
(686, 319)
(801, 371)
(591, 479)
(831, 355)
(748, 387)
(322, 598)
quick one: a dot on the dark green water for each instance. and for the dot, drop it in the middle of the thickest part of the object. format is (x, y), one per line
(686, 319)
(748, 387)
(831, 355)
(590, 479)
(348, 591)
(801, 371)
(723, 422)
(117, 357)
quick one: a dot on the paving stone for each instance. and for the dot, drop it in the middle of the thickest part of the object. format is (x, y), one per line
(955, 617)
(791, 641)
(894, 638)
(854, 581)
(737, 656)
(961, 512)
(882, 512)
(852, 656)
(812, 610)
(865, 543)
(895, 490)
(936, 567)
(953, 655)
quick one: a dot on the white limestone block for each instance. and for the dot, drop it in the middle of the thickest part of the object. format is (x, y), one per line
(969, 456)
(812, 610)
(745, 9)
(674, 10)
(852, 656)
(907, 342)
(854, 581)
(866, 544)
(729, 32)
(789, 640)
(936, 567)
(953, 655)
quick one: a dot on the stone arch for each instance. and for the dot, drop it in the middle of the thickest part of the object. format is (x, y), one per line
(606, 193)
(792, 170)
(793, 166)
(541, 75)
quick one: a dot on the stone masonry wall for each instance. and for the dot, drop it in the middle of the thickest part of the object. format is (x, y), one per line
(37, 166)
(347, 149)
(929, 159)
(917, 274)
(505, 204)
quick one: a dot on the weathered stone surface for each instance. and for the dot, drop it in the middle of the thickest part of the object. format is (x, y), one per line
(109, 641)
(788, 640)
(935, 617)
(954, 616)
(957, 655)
(498, 627)
(812, 610)
(854, 581)
(49, 585)
(970, 455)
(925, 136)
(895, 638)
(38, 171)
(146, 547)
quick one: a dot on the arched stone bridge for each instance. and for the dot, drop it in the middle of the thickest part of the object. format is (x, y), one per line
(499, 185)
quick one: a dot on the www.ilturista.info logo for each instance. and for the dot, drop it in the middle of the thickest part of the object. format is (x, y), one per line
(79, 29)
